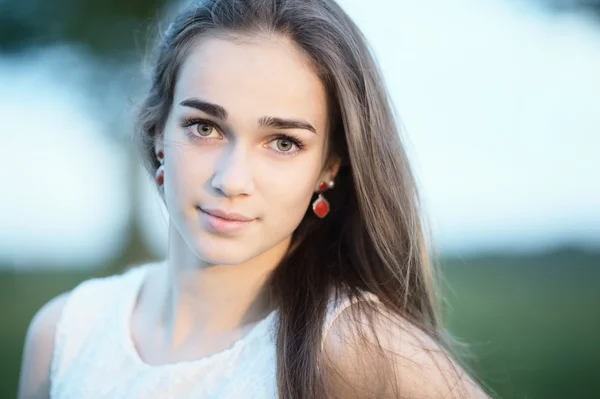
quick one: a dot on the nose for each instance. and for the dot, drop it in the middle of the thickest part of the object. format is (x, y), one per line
(234, 175)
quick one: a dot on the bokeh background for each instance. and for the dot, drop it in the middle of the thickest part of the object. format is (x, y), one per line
(500, 101)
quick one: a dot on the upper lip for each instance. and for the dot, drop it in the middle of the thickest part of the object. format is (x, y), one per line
(227, 215)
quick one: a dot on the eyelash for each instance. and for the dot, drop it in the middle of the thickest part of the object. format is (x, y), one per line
(188, 122)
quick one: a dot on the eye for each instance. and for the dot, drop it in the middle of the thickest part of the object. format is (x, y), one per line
(203, 129)
(284, 144)
(200, 129)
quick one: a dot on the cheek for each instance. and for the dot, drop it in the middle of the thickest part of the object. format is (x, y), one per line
(287, 190)
(186, 173)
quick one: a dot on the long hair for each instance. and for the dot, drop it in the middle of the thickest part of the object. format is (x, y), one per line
(374, 239)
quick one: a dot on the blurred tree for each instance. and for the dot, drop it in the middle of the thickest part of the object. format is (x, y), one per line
(104, 26)
(114, 33)
(592, 6)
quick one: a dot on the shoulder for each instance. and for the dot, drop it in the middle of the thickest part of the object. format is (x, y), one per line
(372, 352)
(38, 349)
(63, 323)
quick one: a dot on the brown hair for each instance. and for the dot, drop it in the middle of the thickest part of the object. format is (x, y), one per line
(374, 239)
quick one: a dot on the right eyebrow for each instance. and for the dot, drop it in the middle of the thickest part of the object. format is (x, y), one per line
(212, 109)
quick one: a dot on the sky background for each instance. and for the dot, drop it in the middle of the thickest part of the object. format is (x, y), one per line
(499, 103)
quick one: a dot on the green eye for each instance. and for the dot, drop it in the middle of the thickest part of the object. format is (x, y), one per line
(204, 129)
(284, 145)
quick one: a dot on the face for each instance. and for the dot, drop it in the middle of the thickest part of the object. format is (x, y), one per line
(245, 139)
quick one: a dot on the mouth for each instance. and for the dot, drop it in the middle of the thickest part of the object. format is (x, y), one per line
(228, 216)
(224, 222)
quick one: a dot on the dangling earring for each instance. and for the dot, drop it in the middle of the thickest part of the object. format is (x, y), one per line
(160, 172)
(320, 205)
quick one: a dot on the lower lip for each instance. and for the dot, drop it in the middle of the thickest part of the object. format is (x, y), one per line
(224, 225)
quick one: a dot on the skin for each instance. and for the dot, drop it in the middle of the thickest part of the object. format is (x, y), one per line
(211, 292)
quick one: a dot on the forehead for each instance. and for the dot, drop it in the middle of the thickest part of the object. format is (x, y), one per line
(252, 78)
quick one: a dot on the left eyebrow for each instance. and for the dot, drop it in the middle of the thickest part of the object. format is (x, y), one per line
(279, 123)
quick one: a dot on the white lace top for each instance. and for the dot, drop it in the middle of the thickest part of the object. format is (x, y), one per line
(94, 356)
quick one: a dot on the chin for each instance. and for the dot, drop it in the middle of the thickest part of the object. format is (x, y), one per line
(221, 252)
(221, 259)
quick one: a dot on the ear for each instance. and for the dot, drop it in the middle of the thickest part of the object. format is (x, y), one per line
(333, 166)
(331, 169)
(159, 146)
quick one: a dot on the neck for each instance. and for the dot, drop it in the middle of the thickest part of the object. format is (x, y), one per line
(189, 297)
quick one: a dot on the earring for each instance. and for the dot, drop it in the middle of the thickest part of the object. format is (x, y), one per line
(160, 172)
(321, 206)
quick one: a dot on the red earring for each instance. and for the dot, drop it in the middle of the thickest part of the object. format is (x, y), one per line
(160, 172)
(160, 176)
(321, 206)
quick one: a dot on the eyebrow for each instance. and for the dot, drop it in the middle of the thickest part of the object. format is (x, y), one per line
(279, 123)
(266, 121)
(212, 109)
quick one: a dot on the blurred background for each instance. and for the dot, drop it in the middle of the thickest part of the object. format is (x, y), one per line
(500, 102)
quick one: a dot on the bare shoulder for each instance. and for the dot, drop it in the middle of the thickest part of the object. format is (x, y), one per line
(380, 354)
(34, 381)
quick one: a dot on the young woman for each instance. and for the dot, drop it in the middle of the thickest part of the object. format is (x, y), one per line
(297, 265)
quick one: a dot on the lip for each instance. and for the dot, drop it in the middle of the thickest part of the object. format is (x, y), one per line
(231, 216)
(229, 223)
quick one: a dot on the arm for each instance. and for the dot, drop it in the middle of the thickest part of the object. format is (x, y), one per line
(34, 381)
(408, 363)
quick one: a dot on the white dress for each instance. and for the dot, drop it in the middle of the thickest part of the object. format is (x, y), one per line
(94, 356)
